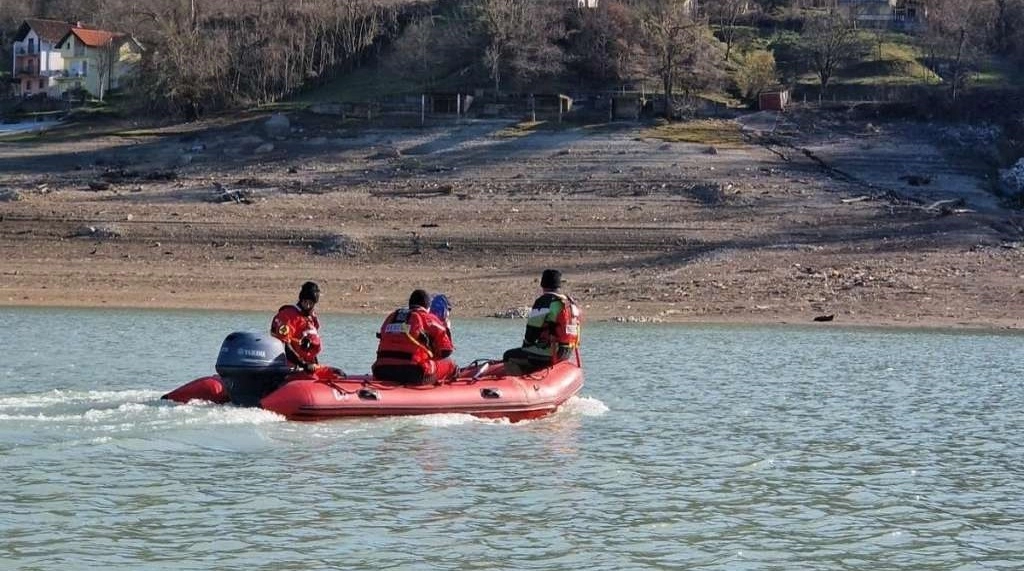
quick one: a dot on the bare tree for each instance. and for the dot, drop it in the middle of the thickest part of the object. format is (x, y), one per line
(727, 14)
(830, 42)
(500, 19)
(204, 55)
(604, 43)
(415, 52)
(669, 32)
(1003, 24)
(1007, 26)
(879, 34)
(432, 46)
(106, 57)
(520, 38)
(956, 35)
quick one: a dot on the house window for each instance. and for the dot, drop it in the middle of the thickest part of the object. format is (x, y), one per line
(31, 45)
(42, 83)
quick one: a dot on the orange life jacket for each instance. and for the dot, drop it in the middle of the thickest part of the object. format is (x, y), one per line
(568, 322)
(403, 339)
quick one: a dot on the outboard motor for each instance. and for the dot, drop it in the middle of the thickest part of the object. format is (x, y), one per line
(251, 365)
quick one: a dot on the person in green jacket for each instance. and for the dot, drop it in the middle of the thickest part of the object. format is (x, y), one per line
(552, 330)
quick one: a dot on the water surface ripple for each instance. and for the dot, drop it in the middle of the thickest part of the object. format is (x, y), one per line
(690, 447)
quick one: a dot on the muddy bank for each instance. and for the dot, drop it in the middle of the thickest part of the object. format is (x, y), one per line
(781, 221)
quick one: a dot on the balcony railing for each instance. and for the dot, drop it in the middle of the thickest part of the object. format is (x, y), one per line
(26, 51)
(69, 73)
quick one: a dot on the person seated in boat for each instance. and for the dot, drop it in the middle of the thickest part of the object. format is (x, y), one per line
(552, 330)
(298, 327)
(442, 308)
(415, 345)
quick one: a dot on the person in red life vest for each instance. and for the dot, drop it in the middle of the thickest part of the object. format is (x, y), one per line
(552, 330)
(298, 327)
(415, 345)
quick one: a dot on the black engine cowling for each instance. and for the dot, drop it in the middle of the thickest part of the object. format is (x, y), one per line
(251, 366)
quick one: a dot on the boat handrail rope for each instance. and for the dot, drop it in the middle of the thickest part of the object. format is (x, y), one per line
(481, 365)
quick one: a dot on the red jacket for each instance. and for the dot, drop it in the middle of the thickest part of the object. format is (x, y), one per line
(299, 332)
(413, 336)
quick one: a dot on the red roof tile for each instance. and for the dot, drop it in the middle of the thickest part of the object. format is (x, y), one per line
(95, 38)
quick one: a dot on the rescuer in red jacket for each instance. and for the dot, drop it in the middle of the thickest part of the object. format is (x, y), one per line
(298, 327)
(415, 345)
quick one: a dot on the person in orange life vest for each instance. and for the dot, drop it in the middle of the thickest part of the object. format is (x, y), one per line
(415, 345)
(552, 330)
(298, 327)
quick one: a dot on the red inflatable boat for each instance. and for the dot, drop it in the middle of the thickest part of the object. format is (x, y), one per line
(482, 391)
(252, 371)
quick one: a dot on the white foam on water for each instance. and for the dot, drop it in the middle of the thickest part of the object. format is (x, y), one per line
(208, 413)
(132, 409)
(124, 410)
(447, 419)
(40, 417)
(767, 463)
(584, 406)
(574, 406)
(233, 415)
(63, 397)
(329, 430)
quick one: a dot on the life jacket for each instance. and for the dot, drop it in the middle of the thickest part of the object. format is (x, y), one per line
(567, 325)
(404, 339)
(298, 331)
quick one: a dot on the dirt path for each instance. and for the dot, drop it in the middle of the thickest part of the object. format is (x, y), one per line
(223, 216)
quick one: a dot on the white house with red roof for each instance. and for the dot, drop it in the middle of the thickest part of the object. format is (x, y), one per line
(36, 59)
(96, 60)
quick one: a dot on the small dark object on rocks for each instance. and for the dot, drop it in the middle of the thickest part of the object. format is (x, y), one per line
(828, 317)
(916, 180)
(161, 175)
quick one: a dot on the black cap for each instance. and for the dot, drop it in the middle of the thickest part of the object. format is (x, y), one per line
(310, 291)
(419, 298)
(551, 279)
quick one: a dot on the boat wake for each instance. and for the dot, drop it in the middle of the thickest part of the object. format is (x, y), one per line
(58, 398)
(575, 406)
(127, 408)
(584, 406)
(100, 409)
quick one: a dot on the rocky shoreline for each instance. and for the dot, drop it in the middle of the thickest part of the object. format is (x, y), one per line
(788, 220)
